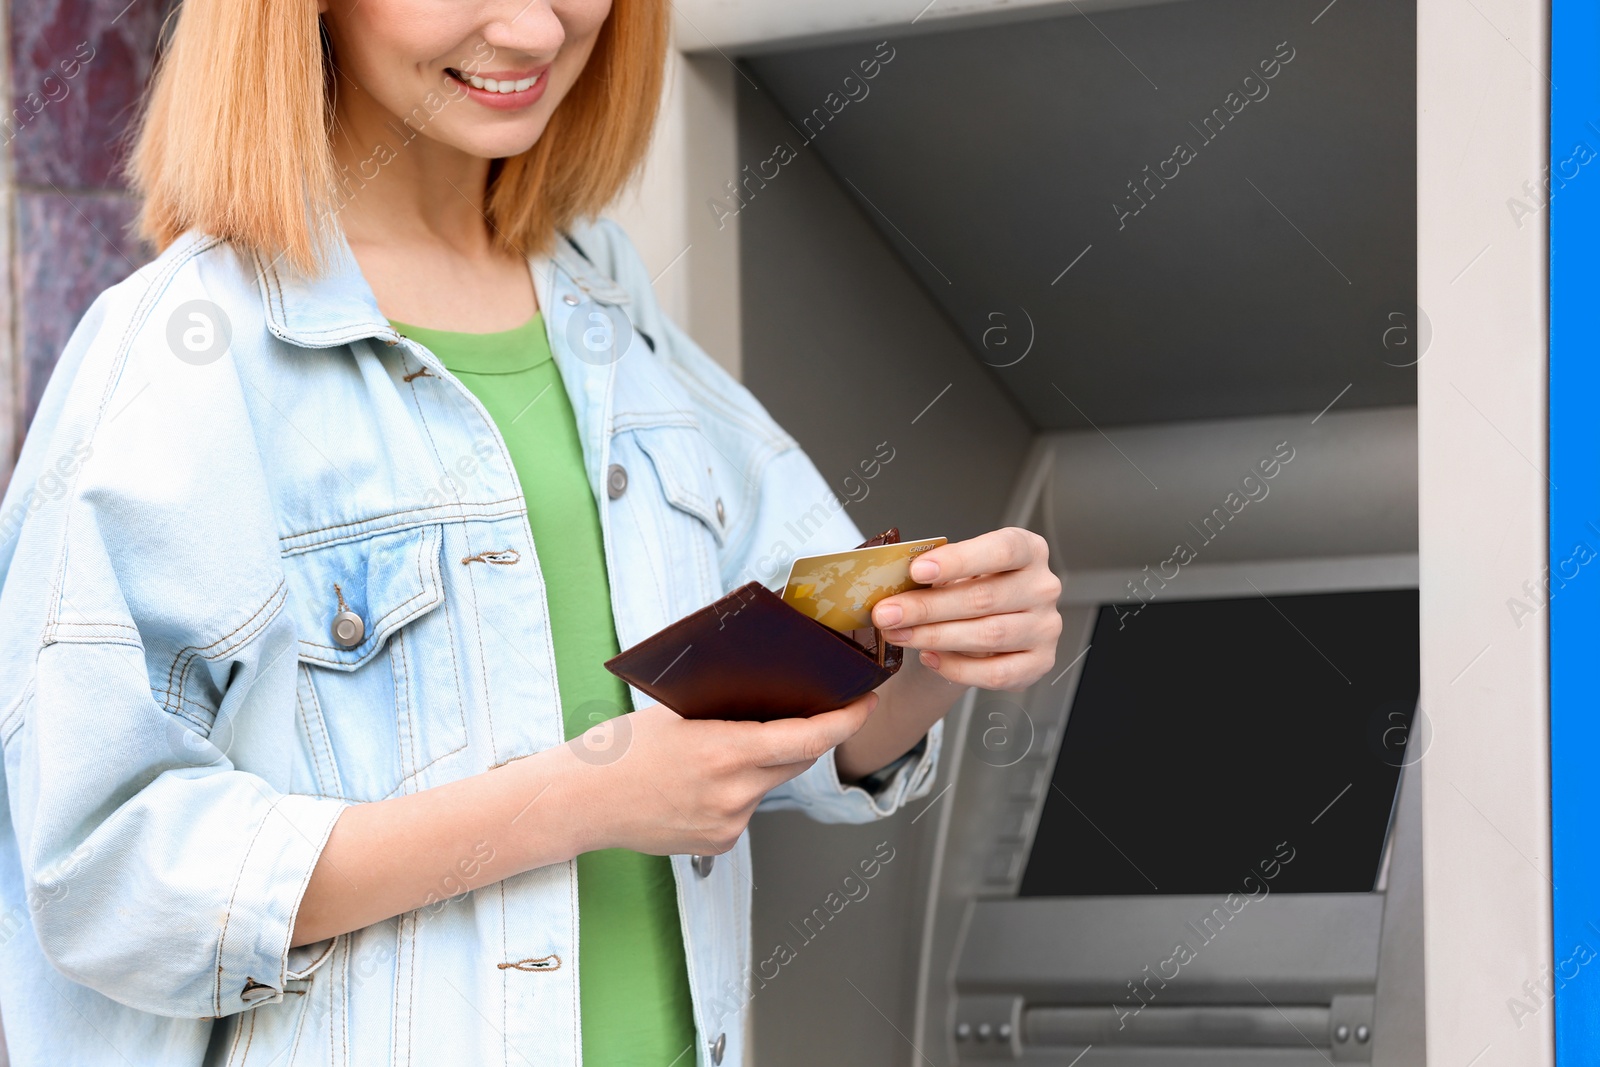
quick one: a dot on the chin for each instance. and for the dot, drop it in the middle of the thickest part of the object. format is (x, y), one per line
(497, 145)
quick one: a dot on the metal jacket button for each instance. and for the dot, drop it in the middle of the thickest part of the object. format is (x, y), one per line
(616, 481)
(722, 514)
(348, 629)
(718, 1047)
(702, 864)
(570, 300)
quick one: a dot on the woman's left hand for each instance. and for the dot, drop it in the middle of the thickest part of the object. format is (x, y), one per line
(988, 619)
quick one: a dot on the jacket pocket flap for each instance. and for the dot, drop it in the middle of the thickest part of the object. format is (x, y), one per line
(386, 580)
(679, 457)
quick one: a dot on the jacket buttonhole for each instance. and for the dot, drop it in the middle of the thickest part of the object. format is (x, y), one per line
(533, 963)
(504, 557)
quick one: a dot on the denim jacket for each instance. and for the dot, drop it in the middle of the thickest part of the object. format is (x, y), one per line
(228, 461)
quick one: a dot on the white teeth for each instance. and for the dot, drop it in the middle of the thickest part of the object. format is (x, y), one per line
(496, 86)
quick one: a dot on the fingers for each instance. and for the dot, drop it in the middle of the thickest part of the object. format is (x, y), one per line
(1010, 671)
(787, 741)
(990, 553)
(990, 595)
(1014, 631)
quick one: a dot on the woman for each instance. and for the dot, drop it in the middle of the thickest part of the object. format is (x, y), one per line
(327, 522)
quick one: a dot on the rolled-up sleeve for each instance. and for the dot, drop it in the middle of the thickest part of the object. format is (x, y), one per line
(158, 872)
(786, 510)
(819, 793)
(150, 725)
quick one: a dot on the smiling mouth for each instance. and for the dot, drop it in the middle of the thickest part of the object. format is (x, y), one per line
(495, 85)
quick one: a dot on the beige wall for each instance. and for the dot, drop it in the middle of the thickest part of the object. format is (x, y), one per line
(1482, 110)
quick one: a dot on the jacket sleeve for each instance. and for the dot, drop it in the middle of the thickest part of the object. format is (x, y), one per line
(787, 509)
(143, 627)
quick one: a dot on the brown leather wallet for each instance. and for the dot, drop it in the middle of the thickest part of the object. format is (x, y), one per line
(751, 656)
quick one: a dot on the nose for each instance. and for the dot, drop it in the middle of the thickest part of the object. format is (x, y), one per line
(522, 33)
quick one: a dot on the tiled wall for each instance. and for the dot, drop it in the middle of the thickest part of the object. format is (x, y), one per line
(77, 68)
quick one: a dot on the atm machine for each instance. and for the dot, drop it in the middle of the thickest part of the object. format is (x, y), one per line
(1161, 281)
(1197, 842)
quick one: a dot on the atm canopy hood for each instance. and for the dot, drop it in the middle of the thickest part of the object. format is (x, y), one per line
(1188, 210)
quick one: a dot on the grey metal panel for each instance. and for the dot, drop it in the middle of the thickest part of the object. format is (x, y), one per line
(1293, 949)
(1262, 278)
(1350, 489)
(847, 352)
(1229, 1026)
(1283, 577)
(1399, 1037)
(752, 27)
(1306, 1056)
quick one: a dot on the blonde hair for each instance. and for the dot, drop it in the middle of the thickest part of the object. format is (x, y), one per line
(236, 134)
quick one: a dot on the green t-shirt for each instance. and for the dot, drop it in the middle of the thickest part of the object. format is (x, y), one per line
(633, 980)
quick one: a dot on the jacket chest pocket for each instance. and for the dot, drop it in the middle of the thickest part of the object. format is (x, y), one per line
(670, 504)
(377, 695)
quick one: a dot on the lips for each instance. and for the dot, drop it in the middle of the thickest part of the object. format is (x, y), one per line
(500, 83)
(507, 90)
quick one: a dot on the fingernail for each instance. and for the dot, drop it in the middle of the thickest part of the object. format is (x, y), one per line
(897, 635)
(924, 570)
(888, 615)
(930, 660)
(873, 703)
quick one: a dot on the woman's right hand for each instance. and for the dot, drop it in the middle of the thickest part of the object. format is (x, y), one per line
(650, 781)
(655, 782)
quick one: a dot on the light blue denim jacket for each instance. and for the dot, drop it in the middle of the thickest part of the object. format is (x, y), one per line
(197, 499)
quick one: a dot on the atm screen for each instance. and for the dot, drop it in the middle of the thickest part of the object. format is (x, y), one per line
(1212, 741)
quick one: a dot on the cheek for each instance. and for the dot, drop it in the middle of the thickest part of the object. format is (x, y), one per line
(581, 21)
(381, 43)
(582, 18)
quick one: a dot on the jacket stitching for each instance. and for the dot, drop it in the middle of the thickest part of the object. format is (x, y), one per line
(238, 1034)
(288, 933)
(450, 639)
(260, 619)
(406, 723)
(299, 1029)
(343, 1020)
(648, 420)
(449, 625)
(202, 719)
(411, 1003)
(264, 610)
(227, 915)
(322, 747)
(407, 780)
(96, 626)
(249, 1038)
(52, 637)
(379, 627)
(425, 516)
(505, 985)
(572, 912)
(471, 579)
(335, 780)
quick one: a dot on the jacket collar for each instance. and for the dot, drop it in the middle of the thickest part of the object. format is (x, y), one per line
(338, 306)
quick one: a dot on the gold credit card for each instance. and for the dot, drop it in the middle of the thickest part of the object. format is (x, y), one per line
(840, 588)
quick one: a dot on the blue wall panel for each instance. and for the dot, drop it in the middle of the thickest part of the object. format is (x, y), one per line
(1574, 575)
